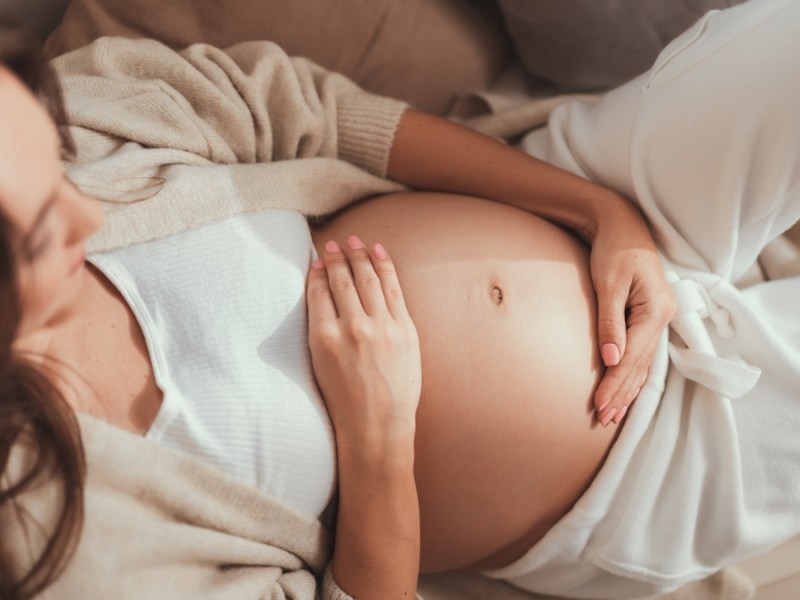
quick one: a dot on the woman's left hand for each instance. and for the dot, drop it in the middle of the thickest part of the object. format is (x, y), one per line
(635, 303)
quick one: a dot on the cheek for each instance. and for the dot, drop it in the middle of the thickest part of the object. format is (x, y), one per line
(40, 290)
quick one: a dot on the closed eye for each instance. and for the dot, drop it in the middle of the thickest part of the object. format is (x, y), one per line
(34, 251)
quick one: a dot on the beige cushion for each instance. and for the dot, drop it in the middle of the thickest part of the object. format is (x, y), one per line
(421, 51)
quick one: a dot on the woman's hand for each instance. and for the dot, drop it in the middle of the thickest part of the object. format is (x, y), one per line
(364, 346)
(635, 303)
(366, 358)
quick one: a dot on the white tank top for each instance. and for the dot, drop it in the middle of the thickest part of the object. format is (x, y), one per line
(222, 308)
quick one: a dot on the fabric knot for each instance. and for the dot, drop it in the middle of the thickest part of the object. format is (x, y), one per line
(699, 360)
(722, 319)
(692, 297)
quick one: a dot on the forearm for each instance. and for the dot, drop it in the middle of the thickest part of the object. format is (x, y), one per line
(377, 536)
(434, 154)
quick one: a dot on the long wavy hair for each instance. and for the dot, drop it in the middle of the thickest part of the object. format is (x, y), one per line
(34, 416)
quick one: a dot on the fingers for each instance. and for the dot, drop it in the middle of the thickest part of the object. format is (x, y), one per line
(340, 281)
(358, 281)
(619, 386)
(390, 285)
(611, 326)
(318, 296)
(366, 281)
(622, 383)
(627, 383)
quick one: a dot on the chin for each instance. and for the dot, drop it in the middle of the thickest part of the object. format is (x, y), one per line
(68, 293)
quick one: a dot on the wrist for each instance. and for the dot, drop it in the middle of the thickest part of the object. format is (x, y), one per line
(609, 212)
(378, 432)
(575, 203)
(375, 453)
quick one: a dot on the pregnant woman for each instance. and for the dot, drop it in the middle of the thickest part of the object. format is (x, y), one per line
(513, 473)
(187, 325)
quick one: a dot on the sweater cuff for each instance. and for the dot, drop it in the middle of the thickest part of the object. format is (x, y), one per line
(367, 127)
(330, 590)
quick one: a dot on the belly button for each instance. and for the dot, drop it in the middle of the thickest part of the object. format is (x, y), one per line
(496, 295)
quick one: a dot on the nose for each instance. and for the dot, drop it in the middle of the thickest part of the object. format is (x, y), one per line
(85, 216)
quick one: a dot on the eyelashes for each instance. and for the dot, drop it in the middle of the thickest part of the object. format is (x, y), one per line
(39, 248)
(33, 250)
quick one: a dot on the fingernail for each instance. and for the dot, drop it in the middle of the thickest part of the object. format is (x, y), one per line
(610, 354)
(636, 393)
(354, 243)
(607, 419)
(379, 251)
(331, 247)
(620, 415)
(318, 264)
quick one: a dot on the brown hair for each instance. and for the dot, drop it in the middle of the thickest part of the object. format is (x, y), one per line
(34, 415)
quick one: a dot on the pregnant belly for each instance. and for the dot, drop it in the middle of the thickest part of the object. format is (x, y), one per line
(505, 311)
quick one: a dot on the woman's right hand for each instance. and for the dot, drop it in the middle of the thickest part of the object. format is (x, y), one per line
(365, 353)
(364, 346)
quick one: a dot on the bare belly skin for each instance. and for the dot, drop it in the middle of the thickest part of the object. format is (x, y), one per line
(505, 311)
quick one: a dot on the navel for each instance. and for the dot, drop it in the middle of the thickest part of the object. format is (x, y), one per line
(496, 294)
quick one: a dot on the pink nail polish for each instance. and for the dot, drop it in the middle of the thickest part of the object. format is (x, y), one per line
(379, 251)
(318, 264)
(604, 422)
(354, 243)
(332, 247)
(610, 354)
(620, 415)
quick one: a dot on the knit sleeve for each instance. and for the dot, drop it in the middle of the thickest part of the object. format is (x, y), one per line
(330, 589)
(250, 103)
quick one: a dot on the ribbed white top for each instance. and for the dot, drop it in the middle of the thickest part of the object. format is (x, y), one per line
(222, 308)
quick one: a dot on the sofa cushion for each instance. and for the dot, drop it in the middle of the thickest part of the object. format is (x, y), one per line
(590, 45)
(41, 16)
(421, 51)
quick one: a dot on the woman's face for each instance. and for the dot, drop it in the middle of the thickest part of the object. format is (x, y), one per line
(52, 218)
